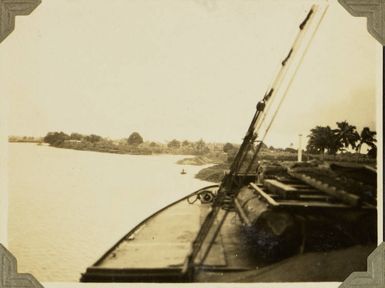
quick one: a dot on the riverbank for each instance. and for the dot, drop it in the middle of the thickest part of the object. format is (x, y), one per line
(212, 155)
(216, 172)
(213, 173)
(105, 147)
(208, 158)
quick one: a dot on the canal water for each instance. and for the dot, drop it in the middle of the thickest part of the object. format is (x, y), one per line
(67, 207)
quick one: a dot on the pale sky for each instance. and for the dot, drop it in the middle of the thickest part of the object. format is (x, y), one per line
(182, 69)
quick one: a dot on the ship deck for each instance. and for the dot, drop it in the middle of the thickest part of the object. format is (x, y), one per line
(157, 250)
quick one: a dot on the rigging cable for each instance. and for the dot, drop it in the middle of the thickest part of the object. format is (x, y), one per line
(275, 86)
(287, 87)
(229, 178)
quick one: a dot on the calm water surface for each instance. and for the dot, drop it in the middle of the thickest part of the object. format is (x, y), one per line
(67, 207)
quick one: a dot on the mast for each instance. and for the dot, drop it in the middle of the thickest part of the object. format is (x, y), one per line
(230, 185)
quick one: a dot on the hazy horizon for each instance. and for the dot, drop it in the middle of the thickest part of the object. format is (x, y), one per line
(165, 141)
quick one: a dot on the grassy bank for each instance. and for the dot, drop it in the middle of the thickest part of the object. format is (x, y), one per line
(105, 147)
(215, 173)
(208, 158)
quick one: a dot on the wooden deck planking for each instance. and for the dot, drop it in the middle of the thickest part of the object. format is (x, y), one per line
(289, 190)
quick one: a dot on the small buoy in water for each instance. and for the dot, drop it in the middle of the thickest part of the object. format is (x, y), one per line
(183, 172)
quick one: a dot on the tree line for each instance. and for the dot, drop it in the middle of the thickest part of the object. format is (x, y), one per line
(324, 139)
(58, 138)
(134, 144)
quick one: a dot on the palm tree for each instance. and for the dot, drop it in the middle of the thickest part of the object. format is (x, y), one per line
(367, 137)
(372, 152)
(323, 139)
(347, 134)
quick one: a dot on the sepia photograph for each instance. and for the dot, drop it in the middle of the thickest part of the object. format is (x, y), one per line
(191, 141)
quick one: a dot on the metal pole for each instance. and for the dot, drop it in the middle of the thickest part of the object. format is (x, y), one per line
(300, 148)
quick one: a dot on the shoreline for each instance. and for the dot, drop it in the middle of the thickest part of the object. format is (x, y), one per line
(191, 160)
(218, 161)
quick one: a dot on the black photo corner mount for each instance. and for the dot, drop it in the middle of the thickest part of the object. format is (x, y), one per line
(373, 10)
